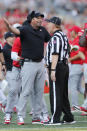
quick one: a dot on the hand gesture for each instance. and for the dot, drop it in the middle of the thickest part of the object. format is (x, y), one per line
(6, 22)
(69, 60)
(18, 59)
(4, 69)
(12, 29)
(53, 77)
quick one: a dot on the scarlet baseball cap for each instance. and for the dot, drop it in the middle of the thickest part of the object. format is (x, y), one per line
(54, 20)
(75, 28)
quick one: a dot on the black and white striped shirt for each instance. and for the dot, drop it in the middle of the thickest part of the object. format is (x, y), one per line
(57, 45)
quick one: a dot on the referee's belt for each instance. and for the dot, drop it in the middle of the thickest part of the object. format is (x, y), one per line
(30, 60)
(63, 62)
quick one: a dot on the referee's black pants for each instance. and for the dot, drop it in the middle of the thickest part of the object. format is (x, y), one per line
(60, 94)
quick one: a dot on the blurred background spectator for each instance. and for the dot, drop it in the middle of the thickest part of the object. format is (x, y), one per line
(72, 12)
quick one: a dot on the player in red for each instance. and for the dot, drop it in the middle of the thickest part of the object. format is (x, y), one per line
(15, 79)
(76, 69)
(83, 49)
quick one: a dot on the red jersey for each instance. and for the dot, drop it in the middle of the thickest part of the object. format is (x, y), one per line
(17, 48)
(75, 52)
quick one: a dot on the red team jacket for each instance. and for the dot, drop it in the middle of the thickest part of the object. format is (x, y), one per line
(17, 48)
(73, 52)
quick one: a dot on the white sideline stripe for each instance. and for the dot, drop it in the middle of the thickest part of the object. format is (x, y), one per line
(60, 125)
(12, 129)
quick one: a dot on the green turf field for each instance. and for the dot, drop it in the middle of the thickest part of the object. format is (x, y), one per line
(81, 122)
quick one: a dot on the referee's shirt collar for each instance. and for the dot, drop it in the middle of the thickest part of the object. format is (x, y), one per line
(57, 31)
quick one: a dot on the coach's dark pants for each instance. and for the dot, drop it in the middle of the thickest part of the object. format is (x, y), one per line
(61, 94)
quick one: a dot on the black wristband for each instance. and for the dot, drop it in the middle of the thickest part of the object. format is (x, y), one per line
(53, 69)
(3, 63)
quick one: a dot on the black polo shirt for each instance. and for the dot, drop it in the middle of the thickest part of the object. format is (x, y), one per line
(33, 41)
(7, 56)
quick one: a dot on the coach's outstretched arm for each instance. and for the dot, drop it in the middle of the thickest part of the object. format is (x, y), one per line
(12, 29)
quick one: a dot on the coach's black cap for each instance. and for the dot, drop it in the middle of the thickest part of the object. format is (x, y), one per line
(37, 14)
(34, 14)
(55, 20)
(8, 34)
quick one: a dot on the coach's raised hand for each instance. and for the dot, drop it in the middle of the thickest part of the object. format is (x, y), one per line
(6, 22)
(10, 28)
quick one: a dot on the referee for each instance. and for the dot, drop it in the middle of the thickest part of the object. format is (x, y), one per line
(57, 55)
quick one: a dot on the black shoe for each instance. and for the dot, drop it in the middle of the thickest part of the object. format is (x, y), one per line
(68, 122)
(68, 118)
(52, 123)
